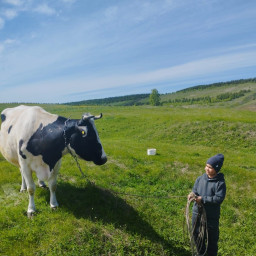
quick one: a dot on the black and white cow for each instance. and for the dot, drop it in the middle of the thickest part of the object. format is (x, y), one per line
(35, 140)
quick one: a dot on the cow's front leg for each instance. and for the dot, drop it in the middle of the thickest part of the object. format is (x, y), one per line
(53, 186)
(52, 183)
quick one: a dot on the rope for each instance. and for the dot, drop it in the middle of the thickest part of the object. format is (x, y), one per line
(197, 231)
(149, 196)
(200, 225)
(74, 156)
(197, 243)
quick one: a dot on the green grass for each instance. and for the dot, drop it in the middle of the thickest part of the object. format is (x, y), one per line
(93, 220)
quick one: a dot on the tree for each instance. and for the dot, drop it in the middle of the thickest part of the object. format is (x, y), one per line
(154, 97)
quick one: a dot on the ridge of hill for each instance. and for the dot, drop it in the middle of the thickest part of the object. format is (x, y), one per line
(233, 93)
(219, 84)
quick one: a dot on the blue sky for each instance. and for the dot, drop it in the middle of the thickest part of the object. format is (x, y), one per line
(71, 50)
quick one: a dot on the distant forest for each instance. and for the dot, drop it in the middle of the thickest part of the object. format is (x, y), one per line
(128, 100)
(228, 96)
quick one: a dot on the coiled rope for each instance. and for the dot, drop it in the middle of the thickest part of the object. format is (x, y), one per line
(197, 229)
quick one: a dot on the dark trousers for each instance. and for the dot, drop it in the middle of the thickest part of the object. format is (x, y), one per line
(213, 236)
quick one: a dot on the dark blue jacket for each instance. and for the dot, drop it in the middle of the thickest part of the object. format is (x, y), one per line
(213, 192)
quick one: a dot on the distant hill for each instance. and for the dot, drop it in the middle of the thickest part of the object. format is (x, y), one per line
(232, 93)
(235, 93)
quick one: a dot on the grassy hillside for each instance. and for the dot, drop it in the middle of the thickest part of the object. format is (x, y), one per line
(239, 93)
(93, 220)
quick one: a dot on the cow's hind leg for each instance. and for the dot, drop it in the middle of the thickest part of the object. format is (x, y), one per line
(31, 187)
(23, 183)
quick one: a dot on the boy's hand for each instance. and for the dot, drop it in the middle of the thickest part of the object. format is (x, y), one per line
(191, 195)
(198, 199)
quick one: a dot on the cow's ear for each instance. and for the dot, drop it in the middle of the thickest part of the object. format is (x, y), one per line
(82, 130)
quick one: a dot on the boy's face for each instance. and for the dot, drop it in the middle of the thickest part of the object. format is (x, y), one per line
(210, 171)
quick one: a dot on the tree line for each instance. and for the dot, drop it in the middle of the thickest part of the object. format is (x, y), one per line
(128, 100)
(228, 96)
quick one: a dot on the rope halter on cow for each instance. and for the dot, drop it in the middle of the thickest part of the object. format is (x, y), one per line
(81, 125)
(197, 229)
(74, 156)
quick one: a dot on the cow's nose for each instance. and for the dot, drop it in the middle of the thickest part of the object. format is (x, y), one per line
(105, 159)
(102, 161)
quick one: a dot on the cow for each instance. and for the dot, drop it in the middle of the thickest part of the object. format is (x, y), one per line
(35, 140)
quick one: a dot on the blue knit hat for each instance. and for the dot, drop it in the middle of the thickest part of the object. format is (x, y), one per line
(216, 162)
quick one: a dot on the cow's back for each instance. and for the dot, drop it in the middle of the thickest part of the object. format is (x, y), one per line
(18, 125)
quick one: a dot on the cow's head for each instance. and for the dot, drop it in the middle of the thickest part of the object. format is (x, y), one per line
(86, 142)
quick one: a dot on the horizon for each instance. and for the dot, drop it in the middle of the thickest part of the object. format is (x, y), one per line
(194, 86)
(127, 95)
(74, 50)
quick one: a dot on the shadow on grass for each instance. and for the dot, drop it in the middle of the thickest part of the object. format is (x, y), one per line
(95, 203)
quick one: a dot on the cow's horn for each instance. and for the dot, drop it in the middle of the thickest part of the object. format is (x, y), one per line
(97, 117)
(87, 116)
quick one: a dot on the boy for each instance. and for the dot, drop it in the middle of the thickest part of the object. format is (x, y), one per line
(209, 190)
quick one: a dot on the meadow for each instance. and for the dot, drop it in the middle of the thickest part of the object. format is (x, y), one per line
(136, 203)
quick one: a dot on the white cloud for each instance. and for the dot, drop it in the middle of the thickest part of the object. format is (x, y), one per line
(241, 47)
(14, 2)
(80, 84)
(1, 23)
(1, 48)
(68, 1)
(45, 9)
(130, 44)
(203, 67)
(111, 12)
(9, 41)
(10, 13)
(5, 44)
(197, 68)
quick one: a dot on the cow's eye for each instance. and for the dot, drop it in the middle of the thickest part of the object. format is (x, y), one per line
(83, 130)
